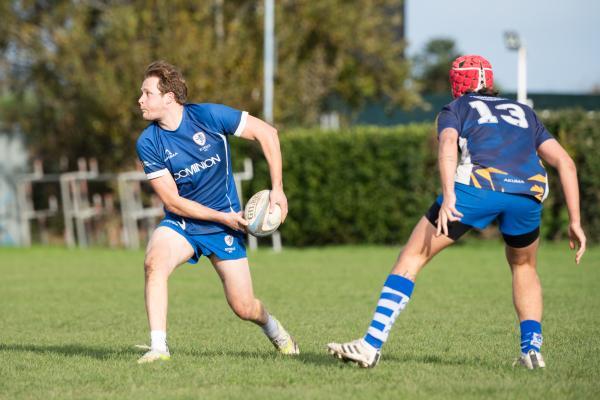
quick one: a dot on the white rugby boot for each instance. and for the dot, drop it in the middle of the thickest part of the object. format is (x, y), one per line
(284, 342)
(153, 355)
(530, 360)
(357, 351)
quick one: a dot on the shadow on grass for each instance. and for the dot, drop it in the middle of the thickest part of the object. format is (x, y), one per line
(312, 358)
(325, 359)
(73, 350)
(106, 353)
(434, 359)
(304, 357)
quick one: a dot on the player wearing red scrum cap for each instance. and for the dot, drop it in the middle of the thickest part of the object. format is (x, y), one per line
(499, 177)
(470, 74)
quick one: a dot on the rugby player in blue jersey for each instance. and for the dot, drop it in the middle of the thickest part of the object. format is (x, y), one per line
(186, 157)
(499, 177)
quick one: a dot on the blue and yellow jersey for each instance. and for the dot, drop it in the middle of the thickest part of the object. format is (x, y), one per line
(498, 141)
(198, 157)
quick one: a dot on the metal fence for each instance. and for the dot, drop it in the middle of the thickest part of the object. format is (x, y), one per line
(85, 207)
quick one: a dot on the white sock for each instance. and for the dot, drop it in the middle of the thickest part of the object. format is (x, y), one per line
(271, 328)
(158, 340)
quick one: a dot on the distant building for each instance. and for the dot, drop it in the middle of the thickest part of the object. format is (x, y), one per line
(382, 114)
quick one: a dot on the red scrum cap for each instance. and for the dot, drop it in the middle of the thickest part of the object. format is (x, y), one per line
(470, 73)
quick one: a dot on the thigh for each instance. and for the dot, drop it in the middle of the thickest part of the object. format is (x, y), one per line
(236, 278)
(167, 249)
(521, 214)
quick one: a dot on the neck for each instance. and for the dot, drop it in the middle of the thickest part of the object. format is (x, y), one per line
(172, 118)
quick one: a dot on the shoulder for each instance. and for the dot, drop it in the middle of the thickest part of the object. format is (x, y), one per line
(218, 118)
(148, 135)
(206, 110)
(449, 109)
(455, 104)
(198, 109)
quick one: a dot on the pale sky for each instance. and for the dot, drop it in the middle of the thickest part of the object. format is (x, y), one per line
(562, 38)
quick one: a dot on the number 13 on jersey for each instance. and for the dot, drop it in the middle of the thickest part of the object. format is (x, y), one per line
(516, 115)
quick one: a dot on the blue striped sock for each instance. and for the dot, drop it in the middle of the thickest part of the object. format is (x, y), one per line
(531, 335)
(394, 297)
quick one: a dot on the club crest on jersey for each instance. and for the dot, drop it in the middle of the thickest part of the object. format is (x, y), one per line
(199, 138)
(228, 240)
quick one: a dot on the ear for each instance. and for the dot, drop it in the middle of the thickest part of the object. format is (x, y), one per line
(170, 97)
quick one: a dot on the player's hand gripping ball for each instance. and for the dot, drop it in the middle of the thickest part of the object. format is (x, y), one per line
(260, 221)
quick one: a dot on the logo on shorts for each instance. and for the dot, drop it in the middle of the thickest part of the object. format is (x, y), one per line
(176, 223)
(228, 240)
(199, 138)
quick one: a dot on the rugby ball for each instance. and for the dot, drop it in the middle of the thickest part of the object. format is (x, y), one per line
(260, 221)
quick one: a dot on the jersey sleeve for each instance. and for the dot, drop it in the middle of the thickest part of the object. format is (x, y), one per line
(228, 120)
(153, 164)
(447, 118)
(540, 132)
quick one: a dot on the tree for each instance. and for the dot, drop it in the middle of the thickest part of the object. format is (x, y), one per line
(432, 66)
(74, 68)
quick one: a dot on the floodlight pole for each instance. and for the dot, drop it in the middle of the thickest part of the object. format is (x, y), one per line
(514, 42)
(269, 60)
(269, 72)
(522, 75)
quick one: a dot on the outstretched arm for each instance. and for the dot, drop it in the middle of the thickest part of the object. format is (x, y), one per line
(166, 188)
(266, 135)
(554, 154)
(447, 161)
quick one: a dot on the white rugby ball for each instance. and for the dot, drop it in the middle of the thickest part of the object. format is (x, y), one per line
(260, 221)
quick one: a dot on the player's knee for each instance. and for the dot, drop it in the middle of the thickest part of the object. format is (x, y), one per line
(523, 265)
(520, 259)
(245, 309)
(152, 265)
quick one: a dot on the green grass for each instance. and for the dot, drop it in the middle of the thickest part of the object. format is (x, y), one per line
(69, 320)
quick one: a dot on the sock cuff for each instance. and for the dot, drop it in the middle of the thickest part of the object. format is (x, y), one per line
(400, 283)
(158, 340)
(271, 328)
(530, 325)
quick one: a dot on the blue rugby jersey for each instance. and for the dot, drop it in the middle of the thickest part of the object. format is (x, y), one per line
(197, 156)
(498, 141)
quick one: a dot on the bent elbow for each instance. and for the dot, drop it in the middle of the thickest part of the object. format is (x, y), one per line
(568, 164)
(273, 133)
(170, 206)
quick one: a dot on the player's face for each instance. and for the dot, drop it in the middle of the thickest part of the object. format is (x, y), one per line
(152, 102)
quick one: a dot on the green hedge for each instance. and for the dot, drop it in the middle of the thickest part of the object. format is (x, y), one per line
(579, 133)
(372, 184)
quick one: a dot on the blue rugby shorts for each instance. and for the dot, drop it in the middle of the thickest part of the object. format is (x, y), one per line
(226, 245)
(518, 215)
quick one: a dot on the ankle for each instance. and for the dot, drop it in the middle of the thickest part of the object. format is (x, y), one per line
(158, 340)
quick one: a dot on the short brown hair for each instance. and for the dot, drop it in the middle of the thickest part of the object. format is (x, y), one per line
(170, 79)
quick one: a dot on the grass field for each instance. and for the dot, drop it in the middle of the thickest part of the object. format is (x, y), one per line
(69, 321)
